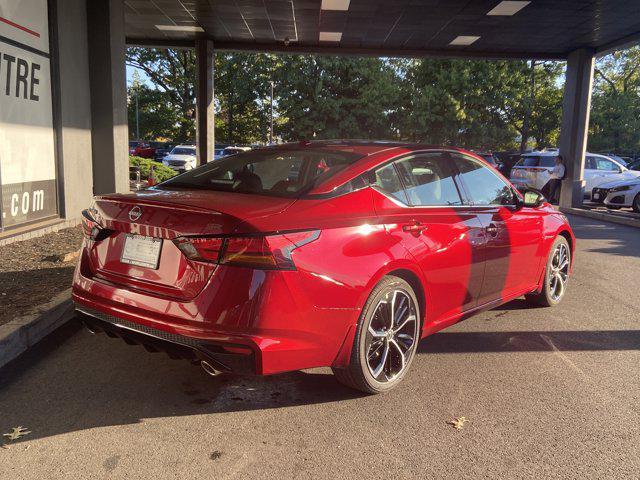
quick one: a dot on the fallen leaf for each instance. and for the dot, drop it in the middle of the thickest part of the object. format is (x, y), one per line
(457, 423)
(16, 433)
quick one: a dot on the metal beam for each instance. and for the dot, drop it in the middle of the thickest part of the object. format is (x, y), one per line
(295, 48)
(619, 44)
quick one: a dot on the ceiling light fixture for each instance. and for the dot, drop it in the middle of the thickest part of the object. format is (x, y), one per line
(464, 40)
(180, 28)
(330, 36)
(335, 5)
(507, 8)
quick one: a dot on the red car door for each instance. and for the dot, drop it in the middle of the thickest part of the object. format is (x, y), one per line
(513, 234)
(425, 210)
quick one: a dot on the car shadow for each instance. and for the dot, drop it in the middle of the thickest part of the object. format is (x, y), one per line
(76, 381)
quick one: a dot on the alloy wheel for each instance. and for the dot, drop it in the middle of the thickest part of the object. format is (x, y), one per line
(391, 336)
(558, 272)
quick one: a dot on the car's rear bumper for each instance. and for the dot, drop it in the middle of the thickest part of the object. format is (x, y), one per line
(224, 356)
(286, 333)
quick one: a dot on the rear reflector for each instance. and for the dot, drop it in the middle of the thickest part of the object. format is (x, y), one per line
(266, 252)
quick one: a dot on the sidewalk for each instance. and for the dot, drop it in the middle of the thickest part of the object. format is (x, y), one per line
(35, 281)
(596, 211)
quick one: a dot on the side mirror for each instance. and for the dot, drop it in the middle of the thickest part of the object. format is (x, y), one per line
(532, 199)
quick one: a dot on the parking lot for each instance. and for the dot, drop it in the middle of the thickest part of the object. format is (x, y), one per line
(548, 393)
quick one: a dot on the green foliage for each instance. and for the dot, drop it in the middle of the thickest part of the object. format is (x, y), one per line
(615, 113)
(336, 97)
(472, 103)
(161, 172)
(170, 106)
(242, 90)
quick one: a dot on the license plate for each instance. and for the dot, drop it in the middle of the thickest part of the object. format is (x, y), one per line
(141, 251)
(596, 196)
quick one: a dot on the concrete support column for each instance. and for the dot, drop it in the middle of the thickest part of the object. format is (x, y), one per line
(72, 110)
(205, 115)
(109, 132)
(575, 124)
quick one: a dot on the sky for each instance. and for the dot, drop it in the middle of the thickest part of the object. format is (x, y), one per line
(143, 76)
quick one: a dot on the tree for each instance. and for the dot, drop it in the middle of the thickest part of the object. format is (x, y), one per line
(615, 115)
(173, 74)
(242, 90)
(335, 97)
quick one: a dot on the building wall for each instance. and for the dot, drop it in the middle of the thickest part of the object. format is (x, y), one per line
(74, 105)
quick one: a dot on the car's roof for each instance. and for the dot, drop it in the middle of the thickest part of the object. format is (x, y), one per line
(363, 147)
(372, 153)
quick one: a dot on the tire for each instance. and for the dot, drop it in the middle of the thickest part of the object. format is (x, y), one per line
(636, 203)
(381, 354)
(556, 275)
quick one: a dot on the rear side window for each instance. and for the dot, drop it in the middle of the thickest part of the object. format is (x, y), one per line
(387, 180)
(483, 186)
(282, 173)
(428, 179)
(605, 164)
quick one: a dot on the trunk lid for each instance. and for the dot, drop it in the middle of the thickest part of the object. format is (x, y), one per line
(165, 215)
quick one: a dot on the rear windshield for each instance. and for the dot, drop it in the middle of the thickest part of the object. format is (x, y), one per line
(286, 173)
(535, 161)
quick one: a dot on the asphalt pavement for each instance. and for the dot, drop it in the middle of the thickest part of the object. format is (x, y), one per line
(547, 393)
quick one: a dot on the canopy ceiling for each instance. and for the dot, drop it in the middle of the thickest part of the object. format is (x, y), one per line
(535, 29)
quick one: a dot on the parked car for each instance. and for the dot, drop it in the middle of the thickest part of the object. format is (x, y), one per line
(488, 157)
(181, 158)
(619, 194)
(162, 149)
(620, 160)
(535, 168)
(634, 165)
(371, 247)
(218, 152)
(506, 161)
(142, 149)
(233, 149)
(132, 146)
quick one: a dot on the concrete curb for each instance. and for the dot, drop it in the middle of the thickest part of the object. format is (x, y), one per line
(24, 332)
(629, 222)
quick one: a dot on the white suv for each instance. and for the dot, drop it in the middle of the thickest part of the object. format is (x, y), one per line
(534, 170)
(181, 158)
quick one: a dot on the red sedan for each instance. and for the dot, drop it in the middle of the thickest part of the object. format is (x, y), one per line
(340, 254)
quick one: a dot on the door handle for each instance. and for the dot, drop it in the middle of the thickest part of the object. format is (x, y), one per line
(492, 230)
(414, 228)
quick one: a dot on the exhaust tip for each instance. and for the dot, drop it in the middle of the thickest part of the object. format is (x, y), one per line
(210, 369)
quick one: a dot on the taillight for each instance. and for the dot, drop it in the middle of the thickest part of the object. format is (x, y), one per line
(267, 252)
(92, 229)
(200, 248)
